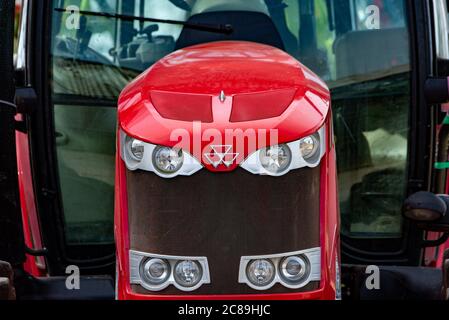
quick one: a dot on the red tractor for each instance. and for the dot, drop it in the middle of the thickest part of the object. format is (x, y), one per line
(237, 122)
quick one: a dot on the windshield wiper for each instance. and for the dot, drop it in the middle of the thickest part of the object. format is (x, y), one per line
(221, 28)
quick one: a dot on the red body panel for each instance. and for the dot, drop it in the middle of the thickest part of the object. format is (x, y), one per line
(259, 106)
(245, 72)
(235, 67)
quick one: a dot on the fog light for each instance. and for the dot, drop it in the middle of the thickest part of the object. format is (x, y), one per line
(294, 269)
(135, 149)
(167, 160)
(155, 271)
(276, 159)
(260, 272)
(188, 273)
(310, 146)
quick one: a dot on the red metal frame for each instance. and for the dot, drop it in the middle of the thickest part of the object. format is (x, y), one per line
(34, 265)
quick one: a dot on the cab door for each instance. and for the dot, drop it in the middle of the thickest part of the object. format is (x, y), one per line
(382, 147)
(12, 246)
(376, 56)
(11, 234)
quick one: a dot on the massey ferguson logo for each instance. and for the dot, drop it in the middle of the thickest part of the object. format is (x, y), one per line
(221, 155)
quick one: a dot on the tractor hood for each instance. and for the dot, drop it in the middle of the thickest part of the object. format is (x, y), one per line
(207, 91)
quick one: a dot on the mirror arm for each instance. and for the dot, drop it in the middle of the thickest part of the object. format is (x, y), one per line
(435, 243)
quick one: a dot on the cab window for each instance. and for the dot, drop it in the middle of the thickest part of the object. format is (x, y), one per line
(369, 75)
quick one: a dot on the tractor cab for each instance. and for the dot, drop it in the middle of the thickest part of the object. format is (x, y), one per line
(379, 60)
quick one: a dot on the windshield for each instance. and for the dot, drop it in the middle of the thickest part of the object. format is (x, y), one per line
(359, 47)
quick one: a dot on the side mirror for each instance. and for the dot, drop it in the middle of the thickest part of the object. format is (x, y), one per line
(428, 210)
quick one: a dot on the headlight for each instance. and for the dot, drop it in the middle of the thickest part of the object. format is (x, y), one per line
(279, 160)
(163, 161)
(294, 269)
(261, 272)
(276, 159)
(167, 160)
(188, 273)
(135, 149)
(310, 147)
(155, 271)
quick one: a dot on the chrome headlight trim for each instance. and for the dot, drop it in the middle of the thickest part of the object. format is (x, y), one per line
(313, 255)
(189, 167)
(254, 166)
(136, 258)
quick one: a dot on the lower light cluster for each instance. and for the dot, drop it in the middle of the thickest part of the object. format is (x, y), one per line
(156, 272)
(293, 270)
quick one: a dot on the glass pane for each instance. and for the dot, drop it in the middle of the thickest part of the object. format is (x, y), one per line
(85, 140)
(83, 61)
(371, 138)
(368, 71)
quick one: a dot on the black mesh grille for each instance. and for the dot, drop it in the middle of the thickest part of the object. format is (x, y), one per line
(224, 217)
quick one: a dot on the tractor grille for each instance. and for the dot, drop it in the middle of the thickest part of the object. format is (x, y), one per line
(224, 217)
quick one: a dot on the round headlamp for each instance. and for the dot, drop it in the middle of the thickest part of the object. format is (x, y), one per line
(167, 160)
(260, 272)
(310, 147)
(188, 273)
(155, 271)
(276, 159)
(135, 149)
(294, 269)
